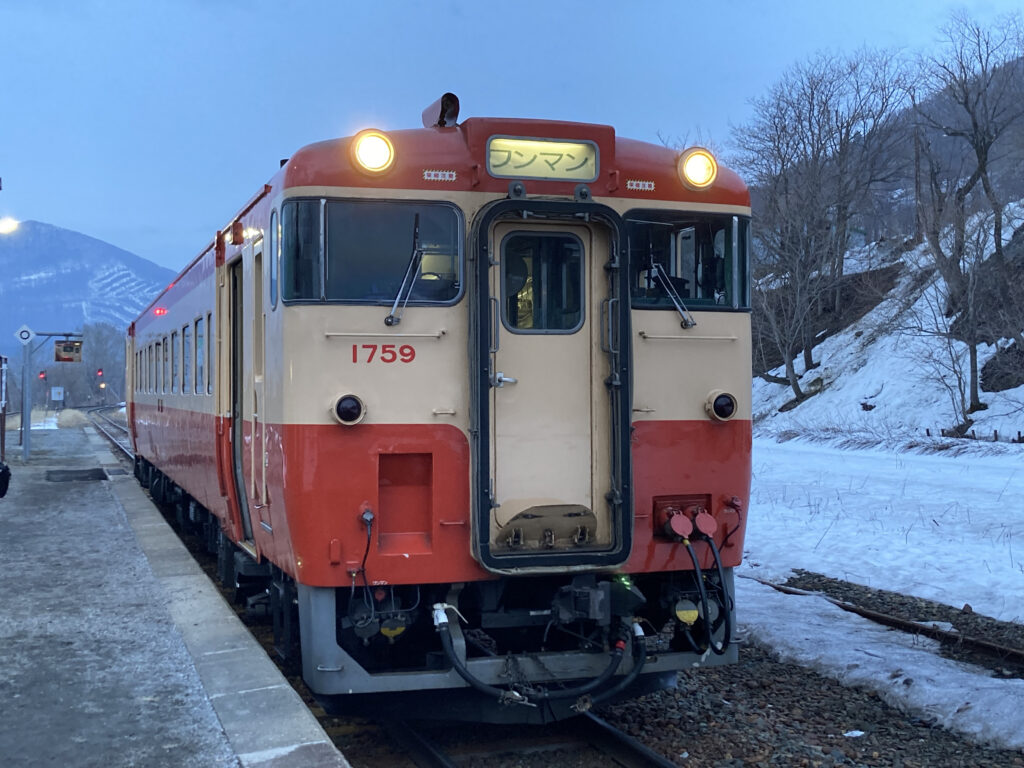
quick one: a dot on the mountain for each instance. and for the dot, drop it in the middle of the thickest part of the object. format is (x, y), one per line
(55, 280)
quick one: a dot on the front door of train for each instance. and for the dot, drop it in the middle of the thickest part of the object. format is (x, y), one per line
(552, 425)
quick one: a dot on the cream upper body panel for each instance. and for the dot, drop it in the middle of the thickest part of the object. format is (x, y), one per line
(675, 368)
(411, 373)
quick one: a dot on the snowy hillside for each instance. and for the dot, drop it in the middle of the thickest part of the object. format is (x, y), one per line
(881, 380)
(56, 280)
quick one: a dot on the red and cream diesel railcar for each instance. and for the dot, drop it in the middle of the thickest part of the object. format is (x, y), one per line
(473, 402)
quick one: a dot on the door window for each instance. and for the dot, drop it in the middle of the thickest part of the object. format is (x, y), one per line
(542, 283)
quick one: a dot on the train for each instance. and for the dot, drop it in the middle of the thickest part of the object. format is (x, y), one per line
(468, 406)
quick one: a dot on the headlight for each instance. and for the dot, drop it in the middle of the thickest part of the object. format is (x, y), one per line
(373, 151)
(697, 168)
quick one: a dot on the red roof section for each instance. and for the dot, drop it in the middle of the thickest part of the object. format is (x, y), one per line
(460, 152)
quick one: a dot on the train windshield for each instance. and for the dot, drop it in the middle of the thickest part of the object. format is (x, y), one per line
(703, 256)
(367, 246)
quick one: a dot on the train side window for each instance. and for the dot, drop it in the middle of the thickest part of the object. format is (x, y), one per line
(275, 254)
(300, 236)
(210, 362)
(200, 357)
(174, 362)
(703, 257)
(162, 386)
(542, 282)
(186, 359)
(156, 366)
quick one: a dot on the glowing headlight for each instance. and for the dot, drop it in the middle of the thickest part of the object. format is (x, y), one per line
(373, 151)
(697, 168)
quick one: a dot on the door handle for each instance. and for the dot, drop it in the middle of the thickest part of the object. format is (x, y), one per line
(500, 380)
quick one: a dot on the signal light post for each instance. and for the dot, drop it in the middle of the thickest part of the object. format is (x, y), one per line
(26, 336)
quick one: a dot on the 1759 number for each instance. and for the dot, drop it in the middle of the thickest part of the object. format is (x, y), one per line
(388, 353)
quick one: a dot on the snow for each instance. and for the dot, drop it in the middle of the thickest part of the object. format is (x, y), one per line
(849, 485)
(948, 529)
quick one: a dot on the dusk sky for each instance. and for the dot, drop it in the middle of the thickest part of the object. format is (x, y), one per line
(148, 124)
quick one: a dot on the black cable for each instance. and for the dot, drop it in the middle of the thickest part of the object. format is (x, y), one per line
(698, 574)
(639, 659)
(563, 693)
(726, 600)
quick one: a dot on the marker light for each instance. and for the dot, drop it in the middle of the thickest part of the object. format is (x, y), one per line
(720, 406)
(697, 168)
(373, 151)
(348, 410)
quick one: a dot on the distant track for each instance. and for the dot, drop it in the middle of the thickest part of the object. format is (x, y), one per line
(115, 432)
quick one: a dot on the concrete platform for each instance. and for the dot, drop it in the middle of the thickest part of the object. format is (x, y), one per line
(115, 648)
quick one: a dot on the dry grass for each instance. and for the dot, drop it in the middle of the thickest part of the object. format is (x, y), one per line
(66, 419)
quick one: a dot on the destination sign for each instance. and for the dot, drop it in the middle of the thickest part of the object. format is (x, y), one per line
(512, 158)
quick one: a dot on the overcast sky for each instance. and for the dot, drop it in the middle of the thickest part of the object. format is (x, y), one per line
(149, 123)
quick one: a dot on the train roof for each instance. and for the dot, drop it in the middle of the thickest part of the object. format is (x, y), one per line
(455, 158)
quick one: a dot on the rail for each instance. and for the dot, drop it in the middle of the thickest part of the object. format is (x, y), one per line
(115, 432)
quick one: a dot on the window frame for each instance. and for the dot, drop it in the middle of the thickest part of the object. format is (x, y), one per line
(560, 234)
(323, 202)
(275, 256)
(199, 379)
(736, 260)
(175, 358)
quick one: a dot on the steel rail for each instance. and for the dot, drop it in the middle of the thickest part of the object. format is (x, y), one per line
(622, 747)
(92, 413)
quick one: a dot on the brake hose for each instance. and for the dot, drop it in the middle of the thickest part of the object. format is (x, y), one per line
(699, 577)
(726, 600)
(441, 624)
(639, 659)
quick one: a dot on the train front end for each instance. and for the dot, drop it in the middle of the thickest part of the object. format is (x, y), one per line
(511, 459)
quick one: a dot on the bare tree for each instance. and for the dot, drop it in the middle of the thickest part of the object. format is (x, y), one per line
(975, 88)
(819, 141)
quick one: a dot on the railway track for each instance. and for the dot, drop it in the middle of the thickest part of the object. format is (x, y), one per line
(116, 432)
(586, 741)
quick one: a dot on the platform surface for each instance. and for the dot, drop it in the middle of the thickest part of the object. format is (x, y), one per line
(115, 648)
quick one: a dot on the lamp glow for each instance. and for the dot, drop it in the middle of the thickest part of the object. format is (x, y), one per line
(697, 168)
(373, 151)
(8, 225)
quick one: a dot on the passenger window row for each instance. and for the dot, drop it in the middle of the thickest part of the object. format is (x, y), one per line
(181, 362)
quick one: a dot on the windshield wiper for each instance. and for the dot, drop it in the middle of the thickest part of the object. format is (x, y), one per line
(410, 272)
(673, 294)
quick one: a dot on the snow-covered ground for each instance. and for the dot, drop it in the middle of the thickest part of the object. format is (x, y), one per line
(949, 529)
